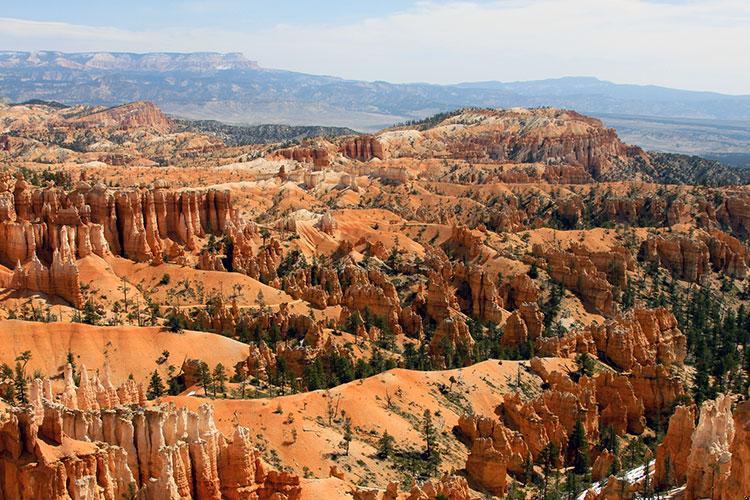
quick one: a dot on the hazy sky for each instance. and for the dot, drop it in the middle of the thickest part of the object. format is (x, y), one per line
(691, 44)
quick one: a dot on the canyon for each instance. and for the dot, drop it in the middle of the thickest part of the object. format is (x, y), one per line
(503, 302)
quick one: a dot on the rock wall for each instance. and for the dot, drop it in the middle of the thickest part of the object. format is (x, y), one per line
(44, 231)
(737, 484)
(157, 453)
(362, 148)
(579, 274)
(709, 461)
(672, 454)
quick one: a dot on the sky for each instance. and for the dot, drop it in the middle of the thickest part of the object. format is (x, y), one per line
(688, 44)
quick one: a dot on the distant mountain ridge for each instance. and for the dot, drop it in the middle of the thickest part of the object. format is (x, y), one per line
(233, 89)
(127, 61)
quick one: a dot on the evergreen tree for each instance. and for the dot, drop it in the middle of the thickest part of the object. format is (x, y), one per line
(20, 382)
(204, 377)
(578, 448)
(314, 376)
(385, 446)
(586, 365)
(219, 378)
(155, 386)
(6, 373)
(628, 297)
(572, 485)
(347, 437)
(173, 322)
(20, 385)
(174, 384)
(547, 458)
(533, 271)
(429, 434)
(90, 315)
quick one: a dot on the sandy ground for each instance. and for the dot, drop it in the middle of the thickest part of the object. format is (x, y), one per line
(294, 430)
(130, 349)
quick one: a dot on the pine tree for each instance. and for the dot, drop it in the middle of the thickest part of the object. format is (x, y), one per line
(313, 376)
(6, 373)
(204, 377)
(578, 448)
(90, 315)
(219, 378)
(155, 386)
(174, 384)
(429, 434)
(20, 384)
(173, 323)
(347, 438)
(385, 446)
(572, 485)
(548, 457)
(533, 271)
(628, 297)
(20, 381)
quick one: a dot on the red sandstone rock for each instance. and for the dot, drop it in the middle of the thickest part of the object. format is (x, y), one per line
(362, 148)
(579, 274)
(672, 454)
(602, 465)
(738, 482)
(523, 325)
(487, 466)
(685, 257)
(166, 453)
(709, 461)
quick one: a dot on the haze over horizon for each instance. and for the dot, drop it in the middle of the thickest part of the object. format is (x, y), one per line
(692, 45)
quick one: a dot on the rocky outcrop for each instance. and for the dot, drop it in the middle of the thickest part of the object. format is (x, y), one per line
(710, 458)
(495, 450)
(614, 263)
(240, 255)
(645, 338)
(441, 297)
(451, 337)
(579, 274)
(672, 454)
(524, 325)
(603, 465)
(327, 223)
(524, 136)
(447, 486)
(738, 482)
(487, 466)
(521, 288)
(319, 285)
(645, 344)
(318, 156)
(157, 453)
(734, 212)
(133, 115)
(59, 279)
(483, 300)
(44, 231)
(362, 148)
(524, 428)
(728, 254)
(463, 244)
(372, 291)
(621, 409)
(657, 387)
(686, 258)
